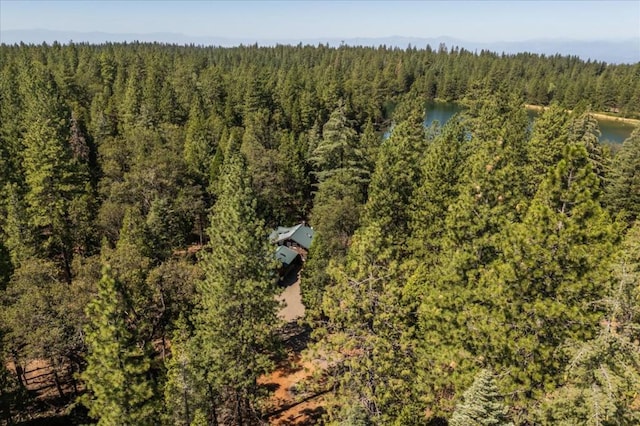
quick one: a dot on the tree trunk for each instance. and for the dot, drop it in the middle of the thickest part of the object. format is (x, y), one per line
(74, 382)
(214, 411)
(239, 409)
(56, 379)
(66, 258)
(22, 379)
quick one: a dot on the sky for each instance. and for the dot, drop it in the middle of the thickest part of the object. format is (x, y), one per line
(480, 21)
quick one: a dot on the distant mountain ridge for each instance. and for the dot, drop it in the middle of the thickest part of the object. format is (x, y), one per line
(611, 51)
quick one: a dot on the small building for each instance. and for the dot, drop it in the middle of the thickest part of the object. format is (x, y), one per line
(289, 258)
(300, 235)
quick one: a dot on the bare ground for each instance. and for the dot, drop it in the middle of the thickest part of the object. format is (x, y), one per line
(291, 297)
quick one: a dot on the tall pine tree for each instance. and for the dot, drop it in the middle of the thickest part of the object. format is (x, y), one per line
(552, 275)
(120, 388)
(601, 381)
(236, 321)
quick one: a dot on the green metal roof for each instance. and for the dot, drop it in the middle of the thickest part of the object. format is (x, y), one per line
(285, 255)
(300, 234)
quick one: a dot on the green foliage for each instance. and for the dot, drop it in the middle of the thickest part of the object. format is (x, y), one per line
(199, 145)
(43, 317)
(584, 130)
(441, 167)
(427, 262)
(368, 331)
(236, 319)
(481, 404)
(6, 268)
(337, 154)
(456, 316)
(623, 190)
(554, 274)
(368, 325)
(397, 173)
(120, 390)
(53, 179)
(550, 135)
(182, 388)
(340, 170)
(600, 383)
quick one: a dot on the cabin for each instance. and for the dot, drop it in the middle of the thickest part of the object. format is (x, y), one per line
(292, 246)
(300, 236)
(289, 258)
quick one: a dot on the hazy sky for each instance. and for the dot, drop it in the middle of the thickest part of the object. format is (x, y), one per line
(470, 20)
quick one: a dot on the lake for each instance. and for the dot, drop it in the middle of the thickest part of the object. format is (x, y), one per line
(612, 131)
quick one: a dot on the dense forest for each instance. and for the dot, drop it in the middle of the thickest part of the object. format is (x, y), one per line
(485, 271)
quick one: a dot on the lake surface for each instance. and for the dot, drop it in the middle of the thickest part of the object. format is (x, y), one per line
(611, 131)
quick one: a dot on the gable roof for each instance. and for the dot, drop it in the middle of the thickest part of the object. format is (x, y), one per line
(285, 255)
(301, 234)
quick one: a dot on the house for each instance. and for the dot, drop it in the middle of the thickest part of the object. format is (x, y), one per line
(300, 235)
(292, 246)
(289, 258)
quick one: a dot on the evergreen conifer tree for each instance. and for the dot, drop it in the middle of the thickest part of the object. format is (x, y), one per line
(236, 321)
(554, 273)
(120, 388)
(481, 404)
(53, 179)
(601, 381)
(623, 190)
(199, 144)
(438, 189)
(545, 148)
(343, 177)
(369, 320)
(183, 394)
(454, 315)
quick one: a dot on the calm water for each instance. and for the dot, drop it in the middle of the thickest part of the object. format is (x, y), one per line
(611, 131)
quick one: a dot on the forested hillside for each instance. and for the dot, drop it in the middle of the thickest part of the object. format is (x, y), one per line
(484, 269)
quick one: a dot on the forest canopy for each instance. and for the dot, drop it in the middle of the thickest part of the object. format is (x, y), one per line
(484, 271)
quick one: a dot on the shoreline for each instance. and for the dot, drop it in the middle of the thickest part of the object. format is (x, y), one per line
(597, 115)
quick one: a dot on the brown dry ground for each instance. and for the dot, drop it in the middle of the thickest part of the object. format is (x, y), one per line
(295, 399)
(293, 402)
(44, 406)
(291, 298)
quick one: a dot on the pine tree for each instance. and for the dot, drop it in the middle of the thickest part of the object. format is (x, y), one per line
(369, 324)
(120, 390)
(236, 321)
(338, 153)
(20, 240)
(183, 389)
(584, 130)
(553, 273)
(199, 144)
(131, 266)
(438, 189)
(368, 330)
(481, 404)
(602, 379)
(623, 190)
(296, 184)
(455, 315)
(53, 179)
(396, 176)
(342, 176)
(545, 148)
